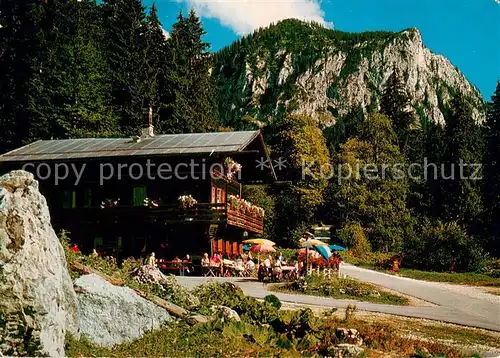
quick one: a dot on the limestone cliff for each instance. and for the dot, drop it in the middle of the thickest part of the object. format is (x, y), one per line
(305, 68)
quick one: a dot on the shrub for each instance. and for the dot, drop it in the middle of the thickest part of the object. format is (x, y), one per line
(353, 235)
(229, 295)
(273, 301)
(442, 245)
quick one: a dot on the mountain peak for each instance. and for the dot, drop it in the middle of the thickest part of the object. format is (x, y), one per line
(303, 67)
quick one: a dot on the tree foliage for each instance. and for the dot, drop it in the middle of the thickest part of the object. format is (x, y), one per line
(188, 89)
(301, 147)
(372, 186)
(463, 153)
(492, 172)
(395, 103)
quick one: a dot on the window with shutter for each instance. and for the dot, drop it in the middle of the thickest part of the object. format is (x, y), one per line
(140, 193)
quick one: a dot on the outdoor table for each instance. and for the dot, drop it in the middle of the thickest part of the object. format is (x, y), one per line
(229, 266)
(288, 271)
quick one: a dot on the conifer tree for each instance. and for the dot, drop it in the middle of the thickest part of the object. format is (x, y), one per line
(21, 47)
(492, 172)
(77, 100)
(125, 25)
(156, 63)
(464, 145)
(188, 90)
(395, 103)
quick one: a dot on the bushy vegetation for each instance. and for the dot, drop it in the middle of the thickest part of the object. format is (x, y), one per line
(441, 247)
(344, 288)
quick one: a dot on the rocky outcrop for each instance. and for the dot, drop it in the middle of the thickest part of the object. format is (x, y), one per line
(325, 73)
(111, 315)
(226, 313)
(149, 274)
(37, 300)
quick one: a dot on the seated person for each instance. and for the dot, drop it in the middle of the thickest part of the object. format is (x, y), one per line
(215, 260)
(177, 261)
(267, 262)
(250, 265)
(187, 261)
(205, 261)
(239, 265)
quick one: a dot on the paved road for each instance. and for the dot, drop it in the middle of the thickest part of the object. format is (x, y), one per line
(451, 306)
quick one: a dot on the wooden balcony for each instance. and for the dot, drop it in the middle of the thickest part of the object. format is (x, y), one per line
(200, 213)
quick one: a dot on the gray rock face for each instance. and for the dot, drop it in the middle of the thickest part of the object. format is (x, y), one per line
(38, 303)
(111, 315)
(338, 81)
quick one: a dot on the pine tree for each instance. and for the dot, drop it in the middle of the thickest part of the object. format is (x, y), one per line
(21, 47)
(464, 145)
(125, 25)
(155, 61)
(188, 90)
(492, 172)
(429, 197)
(77, 99)
(395, 103)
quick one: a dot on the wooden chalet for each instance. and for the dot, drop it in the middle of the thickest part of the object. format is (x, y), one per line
(110, 202)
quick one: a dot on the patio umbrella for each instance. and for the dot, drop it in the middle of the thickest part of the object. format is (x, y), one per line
(259, 242)
(263, 248)
(309, 244)
(313, 242)
(324, 251)
(337, 248)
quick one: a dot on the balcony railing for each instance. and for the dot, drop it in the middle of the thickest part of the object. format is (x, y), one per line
(201, 213)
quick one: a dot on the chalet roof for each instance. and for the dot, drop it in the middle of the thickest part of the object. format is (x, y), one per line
(161, 145)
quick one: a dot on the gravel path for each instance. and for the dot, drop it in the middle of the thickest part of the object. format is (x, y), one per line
(460, 305)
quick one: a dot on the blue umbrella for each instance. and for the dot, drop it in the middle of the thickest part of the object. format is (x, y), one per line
(246, 247)
(324, 251)
(337, 248)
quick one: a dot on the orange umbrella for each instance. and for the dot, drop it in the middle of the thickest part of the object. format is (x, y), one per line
(262, 248)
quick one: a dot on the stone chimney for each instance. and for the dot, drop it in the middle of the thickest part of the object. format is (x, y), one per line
(149, 130)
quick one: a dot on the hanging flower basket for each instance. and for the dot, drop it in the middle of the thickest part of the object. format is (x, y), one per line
(150, 203)
(110, 203)
(187, 201)
(245, 207)
(232, 167)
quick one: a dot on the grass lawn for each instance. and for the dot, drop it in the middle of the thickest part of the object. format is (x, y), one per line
(346, 288)
(468, 278)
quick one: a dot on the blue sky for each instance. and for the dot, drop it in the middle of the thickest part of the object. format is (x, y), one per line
(465, 31)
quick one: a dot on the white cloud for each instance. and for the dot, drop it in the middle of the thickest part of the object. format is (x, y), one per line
(244, 16)
(165, 33)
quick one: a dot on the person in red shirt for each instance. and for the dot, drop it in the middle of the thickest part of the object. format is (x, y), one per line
(75, 248)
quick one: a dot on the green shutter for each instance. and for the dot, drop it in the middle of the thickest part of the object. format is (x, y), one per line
(140, 193)
(69, 199)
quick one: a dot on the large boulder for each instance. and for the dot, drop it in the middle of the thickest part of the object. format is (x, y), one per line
(37, 300)
(112, 315)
